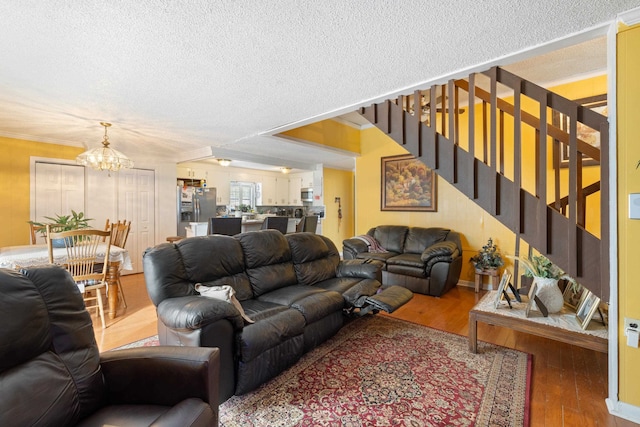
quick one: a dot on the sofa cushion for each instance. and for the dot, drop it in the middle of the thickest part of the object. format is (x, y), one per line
(268, 260)
(418, 238)
(378, 256)
(314, 303)
(269, 332)
(406, 259)
(391, 237)
(215, 261)
(313, 257)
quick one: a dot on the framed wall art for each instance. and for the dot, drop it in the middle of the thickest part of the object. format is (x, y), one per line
(407, 185)
(597, 103)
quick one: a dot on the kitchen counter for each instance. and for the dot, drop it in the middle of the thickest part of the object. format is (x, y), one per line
(256, 224)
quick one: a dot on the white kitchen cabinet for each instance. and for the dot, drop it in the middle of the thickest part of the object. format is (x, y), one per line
(269, 197)
(307, 179)
(282, 191)
(295, 184)
(191, 173)
(219, 179)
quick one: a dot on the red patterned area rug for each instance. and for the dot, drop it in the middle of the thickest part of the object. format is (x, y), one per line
(145, 342)
(379, 371)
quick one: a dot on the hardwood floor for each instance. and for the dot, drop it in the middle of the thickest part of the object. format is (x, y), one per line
(569, 383)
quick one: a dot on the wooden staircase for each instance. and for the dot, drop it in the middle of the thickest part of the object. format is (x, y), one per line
(497, 153)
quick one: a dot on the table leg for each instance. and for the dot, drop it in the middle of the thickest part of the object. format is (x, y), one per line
(473, 333)
(478, 281)
(113, 275)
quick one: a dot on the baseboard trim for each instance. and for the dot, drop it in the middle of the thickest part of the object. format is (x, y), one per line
(624, 410)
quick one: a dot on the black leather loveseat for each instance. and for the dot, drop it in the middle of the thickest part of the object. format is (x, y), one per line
(425, 260)
(51, 373)
(294, 287)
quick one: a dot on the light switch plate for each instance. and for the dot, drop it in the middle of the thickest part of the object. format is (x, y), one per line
(632, 324)
(634, 206)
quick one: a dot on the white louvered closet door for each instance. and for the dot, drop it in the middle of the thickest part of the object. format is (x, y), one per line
(136, 200)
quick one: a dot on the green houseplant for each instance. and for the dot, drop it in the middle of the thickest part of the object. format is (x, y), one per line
(74, 221)
(487, 258)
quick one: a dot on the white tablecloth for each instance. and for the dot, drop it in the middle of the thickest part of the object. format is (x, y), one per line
(30, 255)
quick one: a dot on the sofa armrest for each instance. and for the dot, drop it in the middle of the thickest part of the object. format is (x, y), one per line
(194, 312)
(364, 269)
(444, 249)
(189, 412)
(164, 375)
(352, 247)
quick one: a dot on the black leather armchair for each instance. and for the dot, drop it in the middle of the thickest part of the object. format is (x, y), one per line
(51, 373)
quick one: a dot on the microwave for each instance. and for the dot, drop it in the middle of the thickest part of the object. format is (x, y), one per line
(306, 194)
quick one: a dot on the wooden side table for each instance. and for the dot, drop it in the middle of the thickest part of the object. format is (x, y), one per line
(493, 274)
(561, 326)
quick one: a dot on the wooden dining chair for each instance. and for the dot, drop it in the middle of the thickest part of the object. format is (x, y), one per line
(119, 234)
(81, 258)
(35, 230)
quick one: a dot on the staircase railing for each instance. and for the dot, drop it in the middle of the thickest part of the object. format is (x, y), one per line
(492, 136)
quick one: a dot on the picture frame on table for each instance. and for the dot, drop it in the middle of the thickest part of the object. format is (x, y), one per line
(531, 302)
(587, 308)
(502, 287)
(597, 103)
(573, 298)
(407, 185)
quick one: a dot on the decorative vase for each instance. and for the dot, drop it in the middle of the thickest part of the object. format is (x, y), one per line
(549, 293)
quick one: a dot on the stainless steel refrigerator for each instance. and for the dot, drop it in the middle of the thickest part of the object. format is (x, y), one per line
(195, 204)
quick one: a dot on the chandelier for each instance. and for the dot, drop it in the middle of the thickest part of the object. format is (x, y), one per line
(105, 157)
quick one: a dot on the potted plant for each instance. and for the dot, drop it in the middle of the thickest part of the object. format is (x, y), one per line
(546, 276)
(488, 258)
(75, 221)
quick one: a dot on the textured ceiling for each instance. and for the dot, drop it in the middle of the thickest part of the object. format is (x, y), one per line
(182, 78)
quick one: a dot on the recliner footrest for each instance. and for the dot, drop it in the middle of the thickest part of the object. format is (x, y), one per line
(390, 298)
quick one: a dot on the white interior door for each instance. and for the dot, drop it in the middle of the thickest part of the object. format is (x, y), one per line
(59, 189)
(136, 199)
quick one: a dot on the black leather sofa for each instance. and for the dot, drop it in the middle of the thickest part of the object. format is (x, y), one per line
(425, 260)
(51, 373)
(294, 287)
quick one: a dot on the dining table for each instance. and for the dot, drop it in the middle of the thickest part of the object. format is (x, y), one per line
(23, 256)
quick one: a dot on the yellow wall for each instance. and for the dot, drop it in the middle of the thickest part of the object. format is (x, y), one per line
(628, 110)
(574, 90)
(15, 155)
(454, 209)
(338, 183)
(329, 133)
